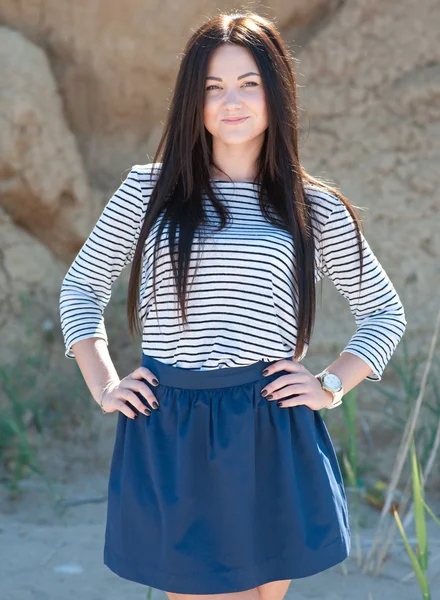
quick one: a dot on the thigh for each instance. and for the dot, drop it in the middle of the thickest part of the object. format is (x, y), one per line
(252, 594)
(274, 590)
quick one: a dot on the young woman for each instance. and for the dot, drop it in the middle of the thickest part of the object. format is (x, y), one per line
(224, 479)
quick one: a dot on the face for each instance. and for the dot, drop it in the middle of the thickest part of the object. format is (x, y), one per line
(234, 89)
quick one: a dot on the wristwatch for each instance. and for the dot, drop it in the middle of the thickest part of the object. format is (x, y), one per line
(331, 383)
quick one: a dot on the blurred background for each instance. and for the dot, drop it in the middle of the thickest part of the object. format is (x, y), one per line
(84, 92)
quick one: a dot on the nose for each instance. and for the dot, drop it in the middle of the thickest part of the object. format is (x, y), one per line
(232, 100)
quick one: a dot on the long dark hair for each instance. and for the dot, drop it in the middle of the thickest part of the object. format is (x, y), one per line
(185, 151)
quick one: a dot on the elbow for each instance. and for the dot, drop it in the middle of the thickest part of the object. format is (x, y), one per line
(401, 316)
(394, 318)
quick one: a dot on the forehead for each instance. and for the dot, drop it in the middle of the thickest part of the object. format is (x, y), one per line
(231, 58)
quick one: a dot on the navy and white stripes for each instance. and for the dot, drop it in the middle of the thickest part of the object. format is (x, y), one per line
(375, 305)
(240, 305)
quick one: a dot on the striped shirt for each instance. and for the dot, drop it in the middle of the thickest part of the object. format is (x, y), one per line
(240, 303)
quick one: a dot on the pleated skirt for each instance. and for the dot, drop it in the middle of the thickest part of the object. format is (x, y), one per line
(221, 490)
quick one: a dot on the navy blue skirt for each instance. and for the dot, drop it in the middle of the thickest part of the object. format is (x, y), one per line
(221, 490)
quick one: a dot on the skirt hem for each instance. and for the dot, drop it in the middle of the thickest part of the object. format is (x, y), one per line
(233, 580)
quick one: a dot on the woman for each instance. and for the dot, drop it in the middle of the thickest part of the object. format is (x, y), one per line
(224, 479)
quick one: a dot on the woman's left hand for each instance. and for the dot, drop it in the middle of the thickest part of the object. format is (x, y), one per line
(299, 381)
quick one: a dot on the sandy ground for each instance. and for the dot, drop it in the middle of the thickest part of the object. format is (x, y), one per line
(52, 554)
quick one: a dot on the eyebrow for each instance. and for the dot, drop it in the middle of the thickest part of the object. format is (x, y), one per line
(239, 77)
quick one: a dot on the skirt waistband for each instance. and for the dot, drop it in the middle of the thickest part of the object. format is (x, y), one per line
(208, 378)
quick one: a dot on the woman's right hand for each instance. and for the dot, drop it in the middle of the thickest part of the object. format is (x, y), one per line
(115, 396)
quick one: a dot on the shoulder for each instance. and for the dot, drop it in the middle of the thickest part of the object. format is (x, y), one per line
(323, 202)
(133, 194)
(146, 175)
(141, 181)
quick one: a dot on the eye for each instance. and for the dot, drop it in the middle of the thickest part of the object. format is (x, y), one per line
(252, 83)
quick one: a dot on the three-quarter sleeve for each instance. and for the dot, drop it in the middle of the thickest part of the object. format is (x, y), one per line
(87, 286)
(374, 302)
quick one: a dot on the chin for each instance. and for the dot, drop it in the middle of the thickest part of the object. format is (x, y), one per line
(235, 141)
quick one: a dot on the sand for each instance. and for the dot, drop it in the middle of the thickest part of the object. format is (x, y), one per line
(48, 553)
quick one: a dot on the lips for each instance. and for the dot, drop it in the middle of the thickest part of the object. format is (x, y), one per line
(235, 120)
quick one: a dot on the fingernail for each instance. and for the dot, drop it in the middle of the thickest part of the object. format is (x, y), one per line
(263, 392)
(155, 405)
(147, 411)
(265, 372)
(269, 397)
(135, 416)
(279, 403)
(155, 382)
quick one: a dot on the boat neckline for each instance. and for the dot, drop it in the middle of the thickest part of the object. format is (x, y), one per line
(235, 182)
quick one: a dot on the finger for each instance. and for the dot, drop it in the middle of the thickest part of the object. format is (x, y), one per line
(286, 364)
(125, 409)
(285, 392)
(282, 381)
(299, 400)
(143, 389)
(130, 396)
(144, 373)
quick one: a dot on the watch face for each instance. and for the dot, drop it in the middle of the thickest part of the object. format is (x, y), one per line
(332, 382)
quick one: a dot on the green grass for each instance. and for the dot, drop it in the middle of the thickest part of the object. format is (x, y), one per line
(401, 397)
(38, 403)
(419, 558)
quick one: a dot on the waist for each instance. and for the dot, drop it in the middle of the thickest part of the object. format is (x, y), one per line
(205, 379)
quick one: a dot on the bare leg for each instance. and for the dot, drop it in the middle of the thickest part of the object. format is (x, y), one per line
(274, 590)
(251, 594)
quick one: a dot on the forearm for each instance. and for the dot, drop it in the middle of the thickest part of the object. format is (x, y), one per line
(95, 364)
(350, 369)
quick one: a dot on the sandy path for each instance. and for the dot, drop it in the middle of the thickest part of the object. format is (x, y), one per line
(51, 556)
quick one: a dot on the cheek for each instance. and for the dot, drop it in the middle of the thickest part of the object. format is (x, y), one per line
(209, 113)
(260, 105)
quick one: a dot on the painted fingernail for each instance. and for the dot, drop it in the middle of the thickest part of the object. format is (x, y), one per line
(155, 382)
(135, 416)
(263, 392)
(265, 372)
(155, 405)
(269, 397)
(147, 411)
(279, 403)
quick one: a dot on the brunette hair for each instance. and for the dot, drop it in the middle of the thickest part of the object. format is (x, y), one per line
(185, 150)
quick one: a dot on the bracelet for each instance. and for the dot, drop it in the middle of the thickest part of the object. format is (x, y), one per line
(104, 412)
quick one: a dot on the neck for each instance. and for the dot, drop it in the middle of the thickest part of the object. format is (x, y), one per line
(237, 161)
